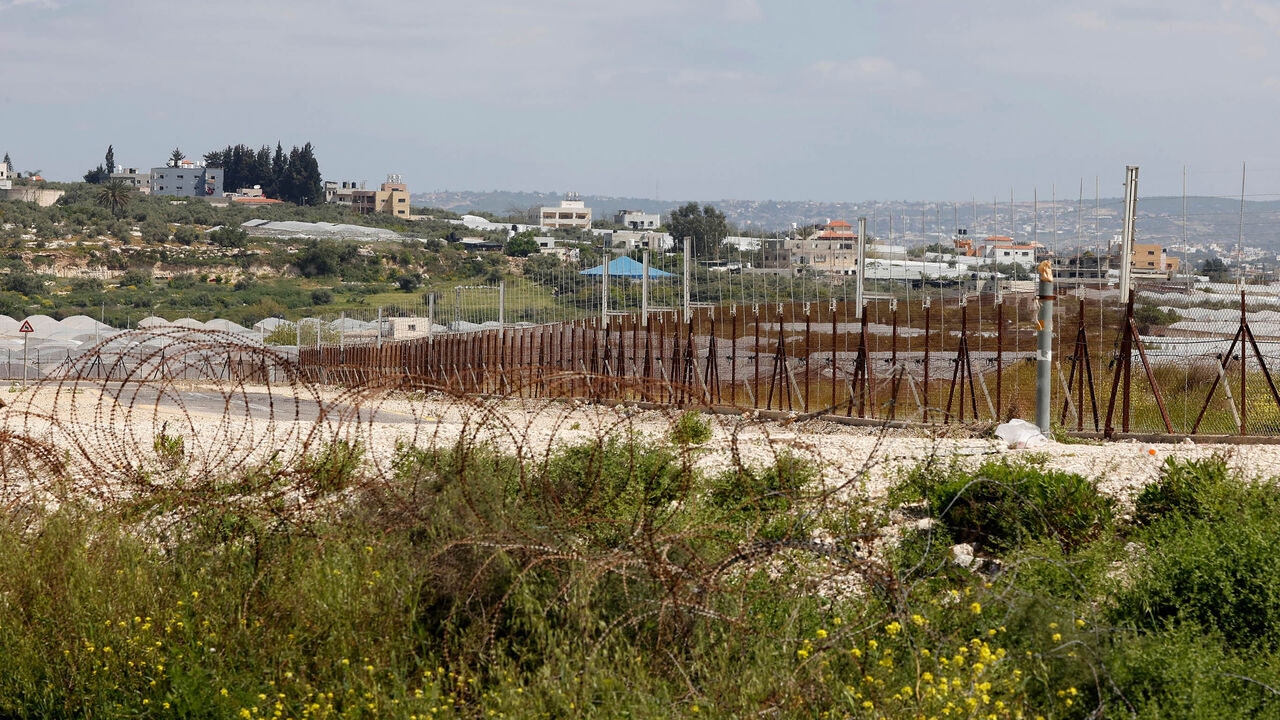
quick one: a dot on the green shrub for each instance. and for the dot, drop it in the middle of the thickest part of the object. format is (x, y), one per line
(690, 429)
(1005, 503)
(1185, 674)
(1209, 561)
(23, 283)
(170, 449)
(136, 277)
(617, 482)
(332, 468)
(765, 500)
(1182, 488)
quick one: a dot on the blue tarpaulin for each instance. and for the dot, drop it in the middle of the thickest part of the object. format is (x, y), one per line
(625, 267)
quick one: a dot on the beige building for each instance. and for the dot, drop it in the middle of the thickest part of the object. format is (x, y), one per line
(831, 249)
(1150, 258)
(571, 213)
(391, 198)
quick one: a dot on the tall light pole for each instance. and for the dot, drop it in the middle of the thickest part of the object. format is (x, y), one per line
(1126, 237)
(862, 266)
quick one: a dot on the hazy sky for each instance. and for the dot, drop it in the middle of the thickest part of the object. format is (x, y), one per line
(752, 99)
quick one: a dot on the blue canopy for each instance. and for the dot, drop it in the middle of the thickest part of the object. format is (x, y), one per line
(625, 267)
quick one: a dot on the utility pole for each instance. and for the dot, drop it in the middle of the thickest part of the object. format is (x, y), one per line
(604, 286)
(1126, 237)
(1044, 348)
(502, 307)
(862, 266)
(644, 289)
(1240, 241)
(687, 248)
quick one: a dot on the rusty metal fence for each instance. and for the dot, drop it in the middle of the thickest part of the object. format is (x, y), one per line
(1178, 360)
(1144, 367)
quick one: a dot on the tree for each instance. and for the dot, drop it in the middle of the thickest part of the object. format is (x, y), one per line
(110, 160)
(294, 177)
(155, 231)
(408, 282)
(23, 282)
(137, 277)
(115, 196)
(522, 245)
(705, 227)
(301, 182)
(176, 157)
(321, 296)
(1216, 270)
(277, 171)
(186, 235)
(121, 231)
(320, 258)
(97, 176)
(8, 163)
(229, 237)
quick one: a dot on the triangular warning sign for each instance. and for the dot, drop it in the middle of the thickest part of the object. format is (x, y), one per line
(26, 327)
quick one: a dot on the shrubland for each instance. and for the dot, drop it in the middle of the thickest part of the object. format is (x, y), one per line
(616, 577)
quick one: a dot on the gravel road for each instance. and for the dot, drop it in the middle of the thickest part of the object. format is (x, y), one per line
(241, 423)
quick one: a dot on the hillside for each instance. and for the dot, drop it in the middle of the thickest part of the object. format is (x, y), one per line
(1209, 219)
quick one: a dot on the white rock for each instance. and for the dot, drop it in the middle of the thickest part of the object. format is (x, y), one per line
(962, 554)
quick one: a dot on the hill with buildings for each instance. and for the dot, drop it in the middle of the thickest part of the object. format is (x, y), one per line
(1209, 220)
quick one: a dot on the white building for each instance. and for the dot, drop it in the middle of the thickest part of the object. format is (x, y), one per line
(340, 193)
(635, 240)
(548, 245)
(1024, 255)
(136, 178)
(637, 219)
(187, 179)
(742, 244)
(571, 213)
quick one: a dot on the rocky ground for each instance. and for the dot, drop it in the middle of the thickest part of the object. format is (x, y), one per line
(101, 428)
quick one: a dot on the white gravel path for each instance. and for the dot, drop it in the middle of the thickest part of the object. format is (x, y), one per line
(871, 458)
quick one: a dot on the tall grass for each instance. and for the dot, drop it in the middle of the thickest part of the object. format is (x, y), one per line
(615, 577)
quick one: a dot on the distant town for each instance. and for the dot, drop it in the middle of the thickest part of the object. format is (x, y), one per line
(967, 246)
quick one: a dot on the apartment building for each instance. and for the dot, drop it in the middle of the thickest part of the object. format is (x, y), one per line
(136, 178)
(637, 220)
(831, 248)
(1004, 250)
(391, 198)
(1151, 259)
(186, 179)
(572, 212)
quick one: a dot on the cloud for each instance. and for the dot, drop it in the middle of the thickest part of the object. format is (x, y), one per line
(46, 4)
(1268, 13)
(743, 11)
(1089, 20)
(868, 72)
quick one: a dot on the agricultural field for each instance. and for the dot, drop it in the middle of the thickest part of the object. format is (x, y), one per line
(292, 550)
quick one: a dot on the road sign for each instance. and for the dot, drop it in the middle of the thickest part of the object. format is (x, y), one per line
(26, 327)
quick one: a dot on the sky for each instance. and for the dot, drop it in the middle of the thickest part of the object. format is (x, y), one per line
(832, 100)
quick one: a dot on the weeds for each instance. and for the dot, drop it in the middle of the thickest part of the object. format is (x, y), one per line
(621, 576)
(690, 428)
(170, 449)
